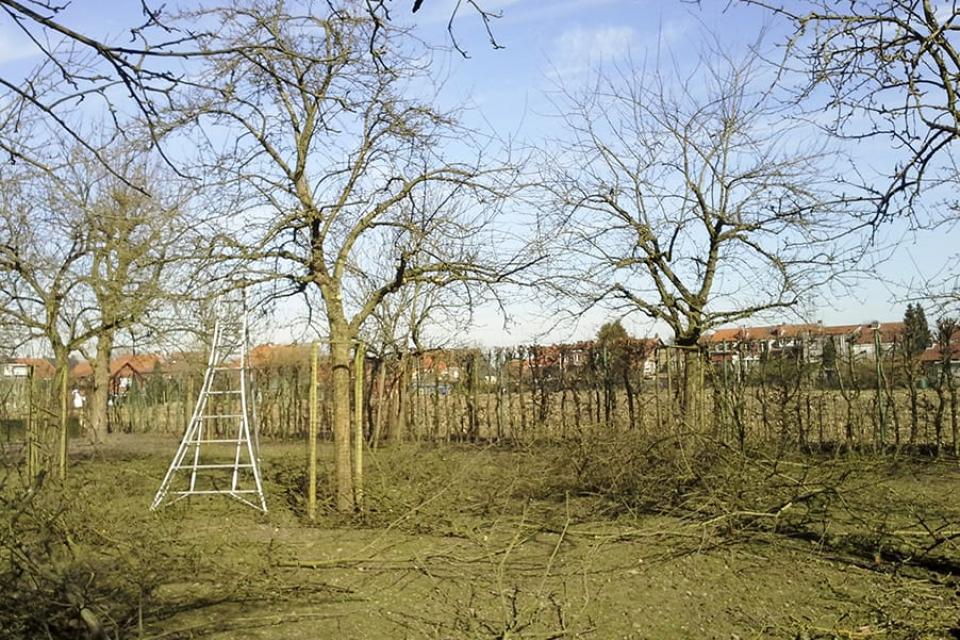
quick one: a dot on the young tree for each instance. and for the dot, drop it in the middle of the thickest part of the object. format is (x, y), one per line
(612, 350)
(948, 330)
(342, 173)
(692, 202)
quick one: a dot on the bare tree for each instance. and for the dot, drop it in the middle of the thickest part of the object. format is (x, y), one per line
(88, 254)
(342, 174)
(133, 73)
(688, 199)
(890, 71)
(134, 77)
(140, 250)
(41, 272)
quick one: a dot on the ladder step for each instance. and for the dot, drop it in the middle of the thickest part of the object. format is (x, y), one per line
(220, 441)
(217, 466)
(221, 415)
(212, 491)
(220, 393)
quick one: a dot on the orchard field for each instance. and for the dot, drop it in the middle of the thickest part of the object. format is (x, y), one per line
(626, 537)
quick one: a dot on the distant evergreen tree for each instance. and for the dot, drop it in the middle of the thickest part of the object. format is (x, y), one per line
(828, 358)
(916, 339)
(611, 354)
(611, 333)
(916, 332)
(611, 347)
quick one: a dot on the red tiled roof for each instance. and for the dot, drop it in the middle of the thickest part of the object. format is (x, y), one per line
(889, 331)
(750, 334)
(82, 369)
(934, 353)
(863, 332)
(275, 355)
(41, 368)
(132, 362)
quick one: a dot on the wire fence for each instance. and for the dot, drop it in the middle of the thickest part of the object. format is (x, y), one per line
(546, 393)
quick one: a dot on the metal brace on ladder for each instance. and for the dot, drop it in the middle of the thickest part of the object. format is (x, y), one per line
(220, 424)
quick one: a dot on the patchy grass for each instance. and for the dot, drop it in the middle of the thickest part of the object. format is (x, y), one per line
(615, 539)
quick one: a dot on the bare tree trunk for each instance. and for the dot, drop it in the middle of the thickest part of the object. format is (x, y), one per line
(631, 408)
(101, 387)
(914, 409)
(403, 401)
(340, 378)
(473, 408)
(691, 397)
(953, 418)
(63, 383)
(501, 401)
(657, 389)
(563, 395)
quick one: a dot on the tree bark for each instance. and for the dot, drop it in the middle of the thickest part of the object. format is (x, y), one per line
(62, 359)
(690, 398)
(340, 362)
(101, 387)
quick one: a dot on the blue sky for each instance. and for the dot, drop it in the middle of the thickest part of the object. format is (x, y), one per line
(569, 38)
(507, 90)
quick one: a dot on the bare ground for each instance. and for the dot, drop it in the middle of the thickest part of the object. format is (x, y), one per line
(471, 542)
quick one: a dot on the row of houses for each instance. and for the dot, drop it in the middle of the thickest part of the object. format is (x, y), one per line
(806, 342)
(735, 344)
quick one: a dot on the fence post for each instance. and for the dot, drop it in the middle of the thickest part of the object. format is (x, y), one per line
(33, 457)
(64, 421)
(358, 362)
(312, 435)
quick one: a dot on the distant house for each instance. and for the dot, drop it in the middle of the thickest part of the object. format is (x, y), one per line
(439, 366)
(933, 357)
(574, 358)
(14, 369)
(804, 341)
(125, 370)
(864, 342)
(20, 367)
(265, 356)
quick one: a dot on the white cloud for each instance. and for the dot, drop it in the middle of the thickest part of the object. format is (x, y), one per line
(14, 45)
(585, 46)
(577, 50)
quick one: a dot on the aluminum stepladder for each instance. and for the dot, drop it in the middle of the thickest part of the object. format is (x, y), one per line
(220, 425)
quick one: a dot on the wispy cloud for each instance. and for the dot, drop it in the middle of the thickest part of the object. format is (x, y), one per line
(594, 45)
(579, 48)
(14, 45)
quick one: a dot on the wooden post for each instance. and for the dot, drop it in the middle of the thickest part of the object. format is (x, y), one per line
(358, 362)
(64, 421)
(312, 435)
(670, 397)
(656, 387)
(378, 420)
(881, 422)
(33, 458)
